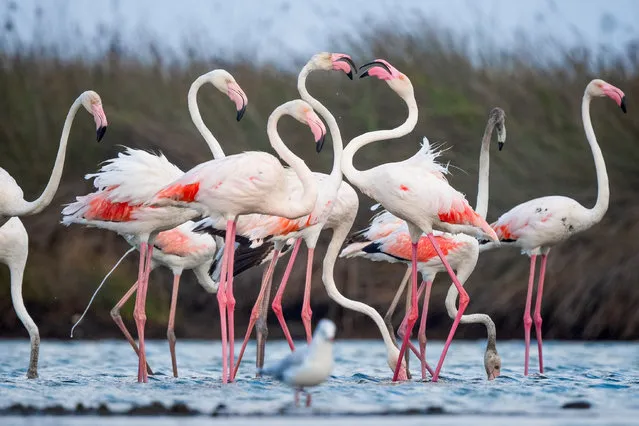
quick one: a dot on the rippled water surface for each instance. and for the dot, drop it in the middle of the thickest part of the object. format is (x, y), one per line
(605, 375)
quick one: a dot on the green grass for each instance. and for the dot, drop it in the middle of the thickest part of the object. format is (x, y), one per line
(591, 280)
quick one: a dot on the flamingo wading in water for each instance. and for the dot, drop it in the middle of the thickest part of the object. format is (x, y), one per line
(416, 191)
(247, 183)
(125, 183)
(537, 225)
(14, 240)
(387, 239)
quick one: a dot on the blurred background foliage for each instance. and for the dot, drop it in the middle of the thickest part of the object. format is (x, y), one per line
(590, 286)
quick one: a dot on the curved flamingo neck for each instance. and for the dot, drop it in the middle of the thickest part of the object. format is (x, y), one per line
(337, 239)
(349, 170)
(305, 204)
(33, 207)
(335, 177)
(603, 191)
(484, 171)
(194, 110)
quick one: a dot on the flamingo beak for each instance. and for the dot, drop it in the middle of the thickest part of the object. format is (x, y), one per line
(623, 104)
(371, 65)
(350, 63)
(500, 145)
(100, 132)
(320, 143)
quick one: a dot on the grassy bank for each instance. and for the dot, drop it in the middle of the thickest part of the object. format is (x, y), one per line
(590, 287)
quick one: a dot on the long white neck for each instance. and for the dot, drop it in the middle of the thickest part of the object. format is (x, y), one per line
(451, 306)
(603, 191)
(335, 178)
(354, 175)
(194, 110)
(305, 204)
(17, 272)
(339, 235)
(203, 277)
(484, 171)
(33, 207)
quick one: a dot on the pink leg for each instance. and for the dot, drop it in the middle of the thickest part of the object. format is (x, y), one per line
(230, 299)
(139, 311)
(463, 303)
(307, 313)
(221, 300)
(421, 334)
(170, 333)
(255, 312)
(277, 301)
(308, 399)
(527, 318)
(540, 292)
(297, 397)
(402, 332)
(117, 318)
(412, 315)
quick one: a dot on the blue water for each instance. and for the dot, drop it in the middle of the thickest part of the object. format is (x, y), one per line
(606, 375)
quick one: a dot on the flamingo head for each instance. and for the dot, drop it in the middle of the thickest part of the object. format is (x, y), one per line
(492, 363)
(304, 113)
(383, 70)
(91, 102)
(393, 358)
(598, 87)
(225, 83)
(498, 118)
(334, 62)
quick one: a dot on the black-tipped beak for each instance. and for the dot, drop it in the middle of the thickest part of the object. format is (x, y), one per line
(320, 144)
(350, 62)
(240, 112)
(500, 145)
(623, 104)
(373, 64)
(100, 132)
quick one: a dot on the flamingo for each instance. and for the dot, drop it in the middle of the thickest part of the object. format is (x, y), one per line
(125, 183)
(538, 225)
(308, 228)
(416, 191)
(251, 182)
(14, 240)
(386, 239)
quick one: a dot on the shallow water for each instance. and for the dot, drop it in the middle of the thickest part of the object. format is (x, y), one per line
(605, 375)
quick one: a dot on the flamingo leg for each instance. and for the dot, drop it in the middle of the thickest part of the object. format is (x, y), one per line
(117, 318)
(463, 303)
(139, 312)
(402, 330)
(388, 318)
(527, 318)
(255, 312)
(230, 299)
(308, 399)
(170, 332)
(261, 327)
(229, 245)
(537, 318)
(307, 313)
(412, 315)
(421, 334)
(277, 300)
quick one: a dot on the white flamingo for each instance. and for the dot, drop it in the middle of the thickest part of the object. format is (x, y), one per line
(414, 191)
(13, 237)
(125, 183)
(251, 182)
(537, 225)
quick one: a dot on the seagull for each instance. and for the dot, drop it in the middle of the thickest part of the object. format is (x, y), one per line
(308, 366)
